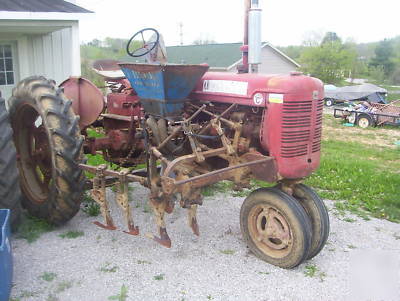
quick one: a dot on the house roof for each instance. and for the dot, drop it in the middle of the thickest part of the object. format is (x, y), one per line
(216, 55)
(58, 6)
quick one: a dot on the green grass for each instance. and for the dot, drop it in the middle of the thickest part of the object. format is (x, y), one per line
(32, 227)
(48, 276)
(89, 206)
(63, 286)
(95, 133)
(311, 270)
(227, 252)
(72, 234)
(122, 296)
(107, 268)
(366, 177)
(219, 187)
(159, 277)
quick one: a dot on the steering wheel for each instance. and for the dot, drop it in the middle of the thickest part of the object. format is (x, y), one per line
(146, 47)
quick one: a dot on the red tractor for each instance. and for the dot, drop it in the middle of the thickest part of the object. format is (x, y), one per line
(191, 128)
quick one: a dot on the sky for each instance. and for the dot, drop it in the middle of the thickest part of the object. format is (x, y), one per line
(285, 22)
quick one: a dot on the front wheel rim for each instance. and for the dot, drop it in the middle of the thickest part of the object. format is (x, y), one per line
(270, 231)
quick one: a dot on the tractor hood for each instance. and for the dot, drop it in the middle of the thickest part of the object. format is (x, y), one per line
(255, 89)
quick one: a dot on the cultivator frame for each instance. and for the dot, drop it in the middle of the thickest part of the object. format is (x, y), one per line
(175, 175)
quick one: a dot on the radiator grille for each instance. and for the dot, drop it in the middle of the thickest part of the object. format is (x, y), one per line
(316, 144)
(297, 134)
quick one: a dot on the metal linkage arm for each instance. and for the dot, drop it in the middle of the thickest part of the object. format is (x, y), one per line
(123, 202)
(99, 195)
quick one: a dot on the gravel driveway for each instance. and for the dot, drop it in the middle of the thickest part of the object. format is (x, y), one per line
(215, 266)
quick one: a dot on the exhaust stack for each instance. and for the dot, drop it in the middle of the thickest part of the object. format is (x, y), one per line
(251, 49)
(254, 33)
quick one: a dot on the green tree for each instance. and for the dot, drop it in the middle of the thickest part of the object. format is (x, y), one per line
(330, 62)
(331, 37)
(384, 57)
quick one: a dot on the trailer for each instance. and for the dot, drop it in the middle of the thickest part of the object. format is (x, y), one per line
(375, 115)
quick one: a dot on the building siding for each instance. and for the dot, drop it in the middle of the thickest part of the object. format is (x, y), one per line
(54, 54)
(51, 54)
(272, 63)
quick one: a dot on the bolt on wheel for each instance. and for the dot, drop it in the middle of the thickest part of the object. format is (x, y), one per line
(276, 227)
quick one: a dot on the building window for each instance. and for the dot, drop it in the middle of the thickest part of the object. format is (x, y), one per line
(6, 65)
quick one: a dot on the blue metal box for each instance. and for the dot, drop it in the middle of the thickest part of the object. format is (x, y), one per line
(163, 88)
(6, 264)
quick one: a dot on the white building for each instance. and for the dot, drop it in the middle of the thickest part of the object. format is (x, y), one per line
(38, 37)
(226, 57)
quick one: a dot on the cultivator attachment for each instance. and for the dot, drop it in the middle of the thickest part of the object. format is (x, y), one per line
(182, 175)
(99, 195)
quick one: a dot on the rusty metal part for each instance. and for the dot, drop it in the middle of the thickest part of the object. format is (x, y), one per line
(210, 177)
(123, 202)
(266, 171)
(112, 173)
(192, 219)
(191, 158)
(288, 185)
(99, 196)
(208, 126)
(87, 99)
(270, 231)
(195, 149)
(159, 212)
(179, 128)
(231, 124)
(163, 239)
(216, 124)
(159, 155)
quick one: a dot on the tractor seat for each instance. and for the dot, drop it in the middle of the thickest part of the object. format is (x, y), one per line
(109, 69)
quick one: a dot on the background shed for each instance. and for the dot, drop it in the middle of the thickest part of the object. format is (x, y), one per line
(38, 37)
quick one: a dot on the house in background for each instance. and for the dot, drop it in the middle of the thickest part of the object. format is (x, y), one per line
(38, 37)
(226, 57)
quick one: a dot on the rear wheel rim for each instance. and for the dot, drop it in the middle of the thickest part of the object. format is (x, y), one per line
(35, 160)
(270, 231)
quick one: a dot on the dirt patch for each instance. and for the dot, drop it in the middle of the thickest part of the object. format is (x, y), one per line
(333, 129)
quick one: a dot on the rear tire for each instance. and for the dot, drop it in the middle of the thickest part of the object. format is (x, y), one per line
(10, 194)
(275, 227)
(49, 145)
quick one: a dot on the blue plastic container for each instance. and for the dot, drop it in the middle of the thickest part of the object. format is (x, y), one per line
(163, 88)
(6, 263)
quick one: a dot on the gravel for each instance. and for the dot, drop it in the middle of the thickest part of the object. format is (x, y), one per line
(215, 266)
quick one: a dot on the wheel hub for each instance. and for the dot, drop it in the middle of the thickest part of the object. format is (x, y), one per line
(270, 230)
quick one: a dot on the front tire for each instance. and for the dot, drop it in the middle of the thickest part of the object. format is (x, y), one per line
(49, 146)
(10, 194)
(275, 227)
(318, 214)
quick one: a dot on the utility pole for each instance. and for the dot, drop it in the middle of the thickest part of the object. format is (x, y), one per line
(181, 32)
